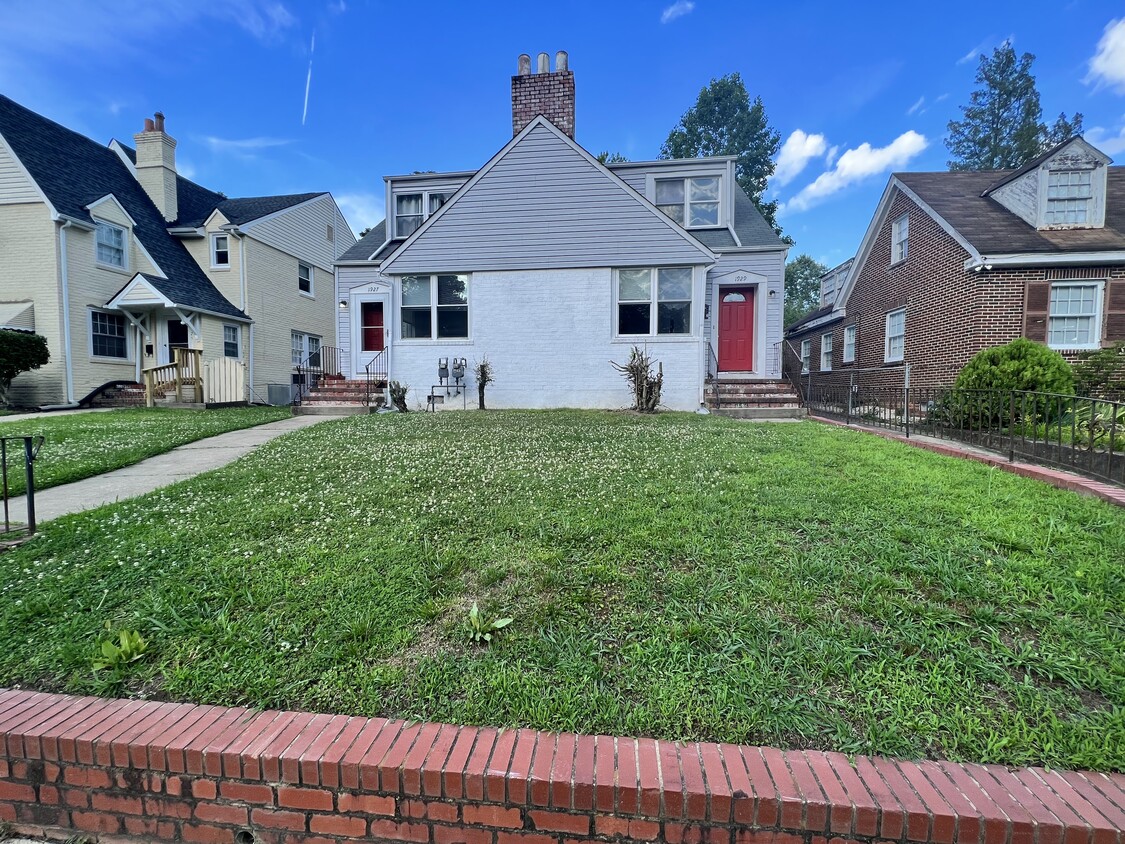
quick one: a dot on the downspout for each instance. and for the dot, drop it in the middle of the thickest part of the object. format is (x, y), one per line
(243, 296)
(67, 356)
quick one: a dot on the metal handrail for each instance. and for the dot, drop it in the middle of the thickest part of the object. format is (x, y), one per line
(320, 365)
(375, 370)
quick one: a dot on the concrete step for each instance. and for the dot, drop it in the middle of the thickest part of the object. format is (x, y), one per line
(762, 413)
(332, 409)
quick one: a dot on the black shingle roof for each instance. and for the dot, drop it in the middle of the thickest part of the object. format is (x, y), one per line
(243, 210)
(74, 171)
(993, 229)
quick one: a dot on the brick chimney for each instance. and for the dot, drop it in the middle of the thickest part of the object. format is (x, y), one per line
(156, 165)
(543, 92)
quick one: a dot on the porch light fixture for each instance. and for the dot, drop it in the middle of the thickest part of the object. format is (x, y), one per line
(343, 304)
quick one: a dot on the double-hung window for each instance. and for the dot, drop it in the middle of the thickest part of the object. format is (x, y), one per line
(305, 349)
(412, 209)
(110, 240)
(900, 239)
(107, 335)
(826, 352)
(1069, 194)
(654, 301)
(692, 202)
(232, 341)
(895, 343)
(1075, 316)
(220, 250)
(806, 356)
(305, 278)
(435, 307)
(849, 344)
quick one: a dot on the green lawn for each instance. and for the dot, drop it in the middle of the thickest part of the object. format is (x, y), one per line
(679, 576)
(83, 444)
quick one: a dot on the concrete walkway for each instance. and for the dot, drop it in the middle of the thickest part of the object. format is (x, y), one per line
(180, 463)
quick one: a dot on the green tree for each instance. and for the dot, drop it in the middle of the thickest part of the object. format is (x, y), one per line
(20, 351)
(802, 287)
(608, 157)
(365, 232)
(1002, 127)
(724, 121)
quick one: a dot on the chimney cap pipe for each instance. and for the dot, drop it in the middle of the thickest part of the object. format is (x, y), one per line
(149, 125)
(544, 63)
(561, 61)
(524, 64)
(158, 121)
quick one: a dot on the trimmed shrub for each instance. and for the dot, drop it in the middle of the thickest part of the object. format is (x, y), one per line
(1101, 374)
(982, 393)
(20, 351)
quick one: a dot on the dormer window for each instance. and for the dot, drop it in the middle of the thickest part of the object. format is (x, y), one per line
(220, 250)
(1069, 194)
(692, 202)
(412, 209)
(110, 245)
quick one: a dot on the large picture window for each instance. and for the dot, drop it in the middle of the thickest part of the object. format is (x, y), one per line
(653, 301)
(435, 307)
(691, 202)
(107, 335)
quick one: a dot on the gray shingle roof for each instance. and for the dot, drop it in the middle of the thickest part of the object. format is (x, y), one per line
(811, 316)
(245, 209)
(993, 229)
(749, 224)
(74, 171)
(365, 247)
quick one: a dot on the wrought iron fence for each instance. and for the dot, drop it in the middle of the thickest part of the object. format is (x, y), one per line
(1081, 434)
(29, 447)
(376, 378)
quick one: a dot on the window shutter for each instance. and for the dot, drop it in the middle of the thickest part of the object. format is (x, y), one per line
(1115, 310)
(1037, 306)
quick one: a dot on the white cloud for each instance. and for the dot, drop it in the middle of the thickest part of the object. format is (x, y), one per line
(245, 148)
(921, 101)
(185, 168)
(1107, 142)
(677, 10)
(830, 158)
(856, 165)
(362, 210)
(1107, 65)
(797, 151)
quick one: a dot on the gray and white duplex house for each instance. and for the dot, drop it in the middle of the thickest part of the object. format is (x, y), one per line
(551, 264)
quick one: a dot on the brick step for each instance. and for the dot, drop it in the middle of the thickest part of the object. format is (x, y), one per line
(340, 395)
(761, 412)
(764, 393)
(349, 384)
(752, 404)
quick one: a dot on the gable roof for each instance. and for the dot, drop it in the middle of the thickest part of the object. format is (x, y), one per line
(1038, 161)
(368, 246)
(243, 210)
(597, 221)
(817, 316)
(74, 171)
(958, 197)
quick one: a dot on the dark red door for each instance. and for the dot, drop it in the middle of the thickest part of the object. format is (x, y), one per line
(736, 329)
(372, 319)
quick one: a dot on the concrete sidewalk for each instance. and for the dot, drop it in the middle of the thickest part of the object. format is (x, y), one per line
(180, 463)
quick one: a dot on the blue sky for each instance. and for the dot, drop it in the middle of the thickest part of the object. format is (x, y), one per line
(856, 89)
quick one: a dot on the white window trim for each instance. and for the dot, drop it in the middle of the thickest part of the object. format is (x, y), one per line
(849, 329)
(806, 356)
(433, 339)
(826, 359)
(725, 198)
(125, 245)
(238, 340)
(305, 337)
(215, 265)
(887, 337)
(311, 293)
(895, 228)
(448, 190)
(653, 308)
(1098, 316)
(129, 343)
(1095, 208)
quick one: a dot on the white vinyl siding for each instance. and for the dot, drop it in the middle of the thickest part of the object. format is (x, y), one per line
(900, 239)
(895, 344)
(1075, 316)
(849, 344)
(826, 352)
(806, 355)
(110, 248)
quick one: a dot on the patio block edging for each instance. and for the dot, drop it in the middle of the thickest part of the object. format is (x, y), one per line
(143, 770)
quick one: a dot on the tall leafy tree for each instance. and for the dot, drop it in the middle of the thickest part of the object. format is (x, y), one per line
(724, 121)
(802, 287)
(1002, 126)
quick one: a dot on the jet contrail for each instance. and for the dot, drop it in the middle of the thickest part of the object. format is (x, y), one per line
(308, 80)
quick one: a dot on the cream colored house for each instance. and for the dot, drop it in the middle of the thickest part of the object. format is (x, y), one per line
(134, 273)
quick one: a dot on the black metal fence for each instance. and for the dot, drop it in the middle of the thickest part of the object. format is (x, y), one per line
(1081, 434)
(15, 448)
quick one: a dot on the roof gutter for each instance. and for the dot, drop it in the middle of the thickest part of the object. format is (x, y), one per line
(1039, 259)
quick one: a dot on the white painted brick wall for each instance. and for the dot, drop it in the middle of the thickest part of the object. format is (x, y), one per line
(549, 336)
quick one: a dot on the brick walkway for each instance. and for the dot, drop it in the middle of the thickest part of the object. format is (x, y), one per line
(1054, 477)
(168, 771)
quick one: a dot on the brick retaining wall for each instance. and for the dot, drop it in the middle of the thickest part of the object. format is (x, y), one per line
(145, 770)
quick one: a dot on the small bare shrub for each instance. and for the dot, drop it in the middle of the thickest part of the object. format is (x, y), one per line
(484, 375)
(398, 392)
(645, 385)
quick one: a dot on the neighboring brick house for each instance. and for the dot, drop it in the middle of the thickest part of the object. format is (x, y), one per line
(124, 265)
(552, 264)
(955, 262)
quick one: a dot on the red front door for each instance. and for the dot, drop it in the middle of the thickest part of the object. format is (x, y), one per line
(736, 329)
(372, 323)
